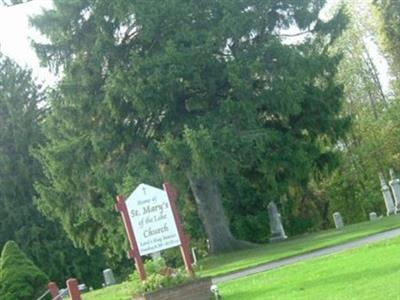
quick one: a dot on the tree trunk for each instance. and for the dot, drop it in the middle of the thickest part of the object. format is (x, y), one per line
(212, 215)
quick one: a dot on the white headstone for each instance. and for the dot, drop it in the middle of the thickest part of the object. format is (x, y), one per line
(373, 216)
(155, 255)
(152, 219)
(108, 277)
(337, 218)
(275, 223)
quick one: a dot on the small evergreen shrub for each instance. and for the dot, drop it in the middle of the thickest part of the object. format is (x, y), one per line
(20, 279)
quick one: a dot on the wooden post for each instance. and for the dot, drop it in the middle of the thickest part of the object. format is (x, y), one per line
(185, 250)
(53, 288)
(133, 252)
(73, 290)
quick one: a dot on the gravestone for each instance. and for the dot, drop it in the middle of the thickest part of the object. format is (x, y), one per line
(395, 187)
(275, 223)
(337, 218)
(387, 196)
(108, 277)
(373, 216)
(156, 255)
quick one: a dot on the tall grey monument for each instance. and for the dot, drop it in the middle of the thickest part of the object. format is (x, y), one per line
(387, 196)
(395, 187)
(275, 223)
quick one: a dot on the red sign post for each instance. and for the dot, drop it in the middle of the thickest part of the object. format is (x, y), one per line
(155, 207)
(53, 288)
(73, 289)
(185, 251)
(133, 252)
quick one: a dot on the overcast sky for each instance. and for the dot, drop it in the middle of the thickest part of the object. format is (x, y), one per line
(16, 36)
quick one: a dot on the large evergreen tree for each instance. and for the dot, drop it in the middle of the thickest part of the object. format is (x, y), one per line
(42, 240)
(188, 90)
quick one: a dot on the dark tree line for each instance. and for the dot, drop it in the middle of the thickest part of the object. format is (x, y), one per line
(42, 240)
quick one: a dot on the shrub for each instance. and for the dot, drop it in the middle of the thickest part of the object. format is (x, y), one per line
(160, 276)
(20, 279)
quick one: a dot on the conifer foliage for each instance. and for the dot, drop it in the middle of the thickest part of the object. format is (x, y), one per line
(22, 109)
(20, 278)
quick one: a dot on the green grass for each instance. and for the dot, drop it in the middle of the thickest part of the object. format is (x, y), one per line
(123, 291)
(225, 263)
(369, 272)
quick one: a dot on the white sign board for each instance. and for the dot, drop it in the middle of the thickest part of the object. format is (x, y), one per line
(152, 219)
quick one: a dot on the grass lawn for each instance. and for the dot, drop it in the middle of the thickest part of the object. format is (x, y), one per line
(123, 291)
(225, 263)
(369, 272)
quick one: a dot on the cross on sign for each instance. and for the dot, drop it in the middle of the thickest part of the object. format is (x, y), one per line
(144, 190)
